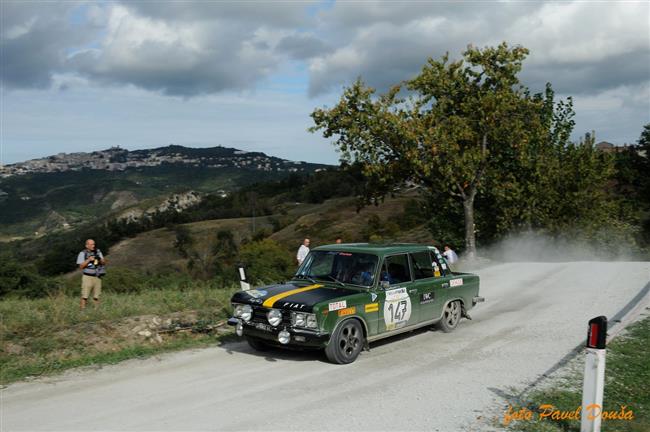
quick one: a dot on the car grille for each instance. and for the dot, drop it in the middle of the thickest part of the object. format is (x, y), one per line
(259, 315)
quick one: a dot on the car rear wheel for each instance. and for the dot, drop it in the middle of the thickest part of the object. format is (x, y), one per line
(346, 342)
(257, 344)
(450, 316)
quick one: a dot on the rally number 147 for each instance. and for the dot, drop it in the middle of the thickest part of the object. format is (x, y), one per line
(397, 310)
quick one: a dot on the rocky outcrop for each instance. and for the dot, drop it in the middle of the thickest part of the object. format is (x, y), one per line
(52, 222)
(177, 202)
(121, 199)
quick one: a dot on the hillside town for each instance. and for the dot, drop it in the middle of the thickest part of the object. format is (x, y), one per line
(119, 159)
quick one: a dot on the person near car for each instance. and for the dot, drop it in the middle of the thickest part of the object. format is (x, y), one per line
(92, 264)
(303, 250)
(450, 255)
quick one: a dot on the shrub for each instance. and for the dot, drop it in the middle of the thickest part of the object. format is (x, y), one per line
(22, 279)
(267, 261)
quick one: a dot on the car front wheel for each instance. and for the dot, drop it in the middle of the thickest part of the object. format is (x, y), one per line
(346, 342)
(450, 317)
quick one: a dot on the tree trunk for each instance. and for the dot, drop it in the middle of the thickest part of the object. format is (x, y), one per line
(470, 235)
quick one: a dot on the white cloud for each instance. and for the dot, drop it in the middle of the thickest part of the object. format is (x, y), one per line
(576, 41)
(220, 55)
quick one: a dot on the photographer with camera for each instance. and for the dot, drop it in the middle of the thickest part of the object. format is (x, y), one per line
(91, 262)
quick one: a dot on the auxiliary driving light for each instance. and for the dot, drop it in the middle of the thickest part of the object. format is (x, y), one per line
(274, 317)
(284, 337)
(243, 311)
(239, 329)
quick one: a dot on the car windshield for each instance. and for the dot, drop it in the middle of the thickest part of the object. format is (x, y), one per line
(342, 267)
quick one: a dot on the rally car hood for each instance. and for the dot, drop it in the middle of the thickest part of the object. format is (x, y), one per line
(292, 296)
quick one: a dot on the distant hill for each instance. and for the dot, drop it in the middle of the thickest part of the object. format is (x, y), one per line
(64, 190)
(120, 159)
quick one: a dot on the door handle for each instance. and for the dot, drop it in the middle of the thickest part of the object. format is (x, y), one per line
(413, 291)
(445, 285)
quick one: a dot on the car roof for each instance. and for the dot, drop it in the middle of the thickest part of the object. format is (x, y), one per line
(375, 248)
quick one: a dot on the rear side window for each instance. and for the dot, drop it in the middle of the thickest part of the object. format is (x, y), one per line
(422, 265)
(426, 265)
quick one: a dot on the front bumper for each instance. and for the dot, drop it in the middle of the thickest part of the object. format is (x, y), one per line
(304, 338)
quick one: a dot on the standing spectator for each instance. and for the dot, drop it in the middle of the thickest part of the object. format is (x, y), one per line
(338, 240)
(303, 250)
(91, 262)
(450, 255)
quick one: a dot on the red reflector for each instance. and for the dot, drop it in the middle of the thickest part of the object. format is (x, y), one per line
(593, 335)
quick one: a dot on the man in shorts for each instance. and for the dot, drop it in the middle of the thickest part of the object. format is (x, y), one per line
(91, 262)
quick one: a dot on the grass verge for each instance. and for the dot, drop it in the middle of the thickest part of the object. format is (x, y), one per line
(627, 384)
(49, 335)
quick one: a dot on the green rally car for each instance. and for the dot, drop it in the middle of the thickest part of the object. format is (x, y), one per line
(347, 295)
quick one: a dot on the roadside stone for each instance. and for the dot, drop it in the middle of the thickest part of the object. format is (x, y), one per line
(138, 329)
(156, 321)
(158, 338)
(145, 333)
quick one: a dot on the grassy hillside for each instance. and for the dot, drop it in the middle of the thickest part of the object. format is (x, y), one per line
(335, 218)
(45, 202)
(323, 223)
(154, 250)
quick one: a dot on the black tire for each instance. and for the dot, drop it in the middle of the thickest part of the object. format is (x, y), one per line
(346, 343)
(451, 315)
(257, 344)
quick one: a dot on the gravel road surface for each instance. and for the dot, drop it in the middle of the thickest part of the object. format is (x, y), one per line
(534, 314)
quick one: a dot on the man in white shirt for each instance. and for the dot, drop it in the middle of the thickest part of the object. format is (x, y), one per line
(450, 255)
(303, 250)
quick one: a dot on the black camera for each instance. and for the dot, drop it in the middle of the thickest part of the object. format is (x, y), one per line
(95, 257)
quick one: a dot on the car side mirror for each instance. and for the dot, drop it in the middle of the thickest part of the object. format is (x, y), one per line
(384, 284)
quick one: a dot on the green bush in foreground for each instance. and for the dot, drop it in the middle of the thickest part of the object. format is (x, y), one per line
(21, 278)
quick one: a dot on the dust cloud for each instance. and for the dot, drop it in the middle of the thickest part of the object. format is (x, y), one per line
(536, 247)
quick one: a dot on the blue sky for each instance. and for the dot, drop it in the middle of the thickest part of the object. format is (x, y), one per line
(82, 76)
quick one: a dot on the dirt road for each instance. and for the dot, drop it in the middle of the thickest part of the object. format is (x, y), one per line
(535, 313)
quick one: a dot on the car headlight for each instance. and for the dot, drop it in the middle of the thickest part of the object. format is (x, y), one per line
(311, 321)
(300, 319)
(244, 312)
(274, 316)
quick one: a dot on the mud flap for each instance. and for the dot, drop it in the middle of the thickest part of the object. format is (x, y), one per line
(464, 312)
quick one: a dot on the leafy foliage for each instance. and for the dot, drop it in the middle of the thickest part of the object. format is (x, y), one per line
(267, 261)
(22, 279)
(482, 148)
(461, 118)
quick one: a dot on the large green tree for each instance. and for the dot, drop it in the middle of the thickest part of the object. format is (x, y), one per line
(453, 129)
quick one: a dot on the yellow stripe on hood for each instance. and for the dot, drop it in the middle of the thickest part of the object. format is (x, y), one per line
(271, 300)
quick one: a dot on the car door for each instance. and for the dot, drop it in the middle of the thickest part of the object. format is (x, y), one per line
(400, 305)
(429, 279)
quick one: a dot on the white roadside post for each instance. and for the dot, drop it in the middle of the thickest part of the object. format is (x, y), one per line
(594, 379)
(243, 282)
